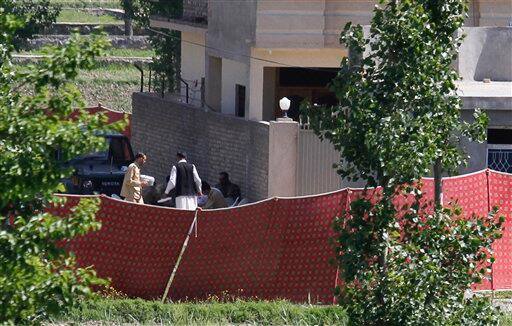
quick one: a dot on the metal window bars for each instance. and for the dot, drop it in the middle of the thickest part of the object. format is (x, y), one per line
(499, 157)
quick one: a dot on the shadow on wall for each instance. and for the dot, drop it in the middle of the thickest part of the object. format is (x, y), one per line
(486, 52)
(495, 61)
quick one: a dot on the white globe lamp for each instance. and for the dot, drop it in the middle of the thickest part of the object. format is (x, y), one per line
(284, 104)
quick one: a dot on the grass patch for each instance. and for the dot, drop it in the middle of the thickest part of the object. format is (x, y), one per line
(506, 320)
(130, 53)
(88, 3)
(77, 16)
(110, 84)
(501, 294)
(239, 312)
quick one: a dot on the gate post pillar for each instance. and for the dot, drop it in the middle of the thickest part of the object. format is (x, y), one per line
(283, 158)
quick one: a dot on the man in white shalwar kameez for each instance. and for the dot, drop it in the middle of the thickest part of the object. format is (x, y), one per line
(185, 179)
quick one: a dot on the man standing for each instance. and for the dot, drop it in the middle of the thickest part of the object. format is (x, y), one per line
(132, 185)
(185, 179)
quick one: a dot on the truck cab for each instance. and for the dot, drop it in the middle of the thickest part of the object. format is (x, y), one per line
(101, 172)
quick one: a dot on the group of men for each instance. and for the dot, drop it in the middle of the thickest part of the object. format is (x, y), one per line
(183, 184)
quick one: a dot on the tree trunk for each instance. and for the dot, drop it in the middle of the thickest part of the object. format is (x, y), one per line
(383, 264)
(128, 27)
(438, 184)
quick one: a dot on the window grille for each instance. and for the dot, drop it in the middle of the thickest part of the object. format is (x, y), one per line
(499, 157)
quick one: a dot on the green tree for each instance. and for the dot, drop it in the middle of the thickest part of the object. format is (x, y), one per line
(167, 45)
(36, 15)
(37, 276)
(398, 117)
(129, 12)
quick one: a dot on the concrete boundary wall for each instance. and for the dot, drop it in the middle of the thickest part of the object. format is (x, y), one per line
(214, 142)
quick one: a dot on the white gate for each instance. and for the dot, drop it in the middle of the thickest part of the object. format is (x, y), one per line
(315, 172)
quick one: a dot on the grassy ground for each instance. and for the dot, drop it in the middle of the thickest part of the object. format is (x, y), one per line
(130, 53)
(77, 16)
(111, 85)
(129, 311)
(240, 312)
(506, 320)
(88, 3)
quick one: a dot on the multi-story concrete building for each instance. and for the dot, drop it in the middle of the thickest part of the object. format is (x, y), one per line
(251, 53)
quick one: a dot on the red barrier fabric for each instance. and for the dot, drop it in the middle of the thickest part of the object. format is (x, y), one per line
(136, 247)
(467, 191)
(273, 249)
(277, 248)
(471, 194)
(500, 194)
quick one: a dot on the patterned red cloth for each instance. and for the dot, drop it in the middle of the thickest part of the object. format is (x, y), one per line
(277, 248)
(500, 194)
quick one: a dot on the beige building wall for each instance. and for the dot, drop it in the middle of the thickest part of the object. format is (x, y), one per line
(192, 64)
(233, 72)
(231, 27)
(491, 12)
(318, 23)
(307, 24)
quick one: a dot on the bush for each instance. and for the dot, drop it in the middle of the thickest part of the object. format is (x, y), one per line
(237, 312)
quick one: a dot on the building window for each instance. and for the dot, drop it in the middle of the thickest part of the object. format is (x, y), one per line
(499, 150)
(240, 100)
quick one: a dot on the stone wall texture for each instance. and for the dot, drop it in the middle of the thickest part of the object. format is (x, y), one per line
(213, 142)
(195, 10)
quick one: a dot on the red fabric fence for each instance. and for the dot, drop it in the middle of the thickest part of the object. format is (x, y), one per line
(277, 248)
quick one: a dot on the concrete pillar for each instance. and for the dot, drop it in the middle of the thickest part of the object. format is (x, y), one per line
(283, 158)
(255, 91)
(269, 92)
(214, 82)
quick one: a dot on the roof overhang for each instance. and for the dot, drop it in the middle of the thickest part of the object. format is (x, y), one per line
(178, 25)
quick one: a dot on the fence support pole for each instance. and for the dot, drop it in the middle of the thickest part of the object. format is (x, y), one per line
(149, 81)
(183, 248)
(139, 68)
(186, 88)
(203, 101)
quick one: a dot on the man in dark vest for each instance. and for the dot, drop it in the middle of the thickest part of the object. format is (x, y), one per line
(185, 179)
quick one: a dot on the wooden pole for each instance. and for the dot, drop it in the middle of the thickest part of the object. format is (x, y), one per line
(183, 248)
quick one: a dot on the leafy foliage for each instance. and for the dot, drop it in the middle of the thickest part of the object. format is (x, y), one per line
(431, 260)
(37, 276)
(398, 115)
(36, 15)
(167, 44)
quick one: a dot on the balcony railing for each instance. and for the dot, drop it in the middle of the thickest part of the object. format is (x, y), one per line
(193, 11)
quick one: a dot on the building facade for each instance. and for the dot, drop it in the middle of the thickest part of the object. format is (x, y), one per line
(256, 51)
(252, 53)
